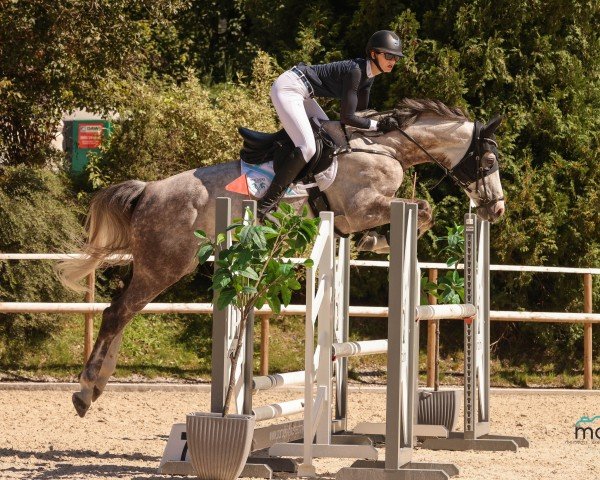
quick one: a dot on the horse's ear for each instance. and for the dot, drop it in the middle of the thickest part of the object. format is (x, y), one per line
(491, 126)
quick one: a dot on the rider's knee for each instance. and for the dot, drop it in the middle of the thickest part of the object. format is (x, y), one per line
(308, 150)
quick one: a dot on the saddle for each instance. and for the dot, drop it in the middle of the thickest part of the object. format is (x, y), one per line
(262, 147)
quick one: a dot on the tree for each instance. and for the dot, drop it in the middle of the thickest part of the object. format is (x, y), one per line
(56, 56)
(257, 268)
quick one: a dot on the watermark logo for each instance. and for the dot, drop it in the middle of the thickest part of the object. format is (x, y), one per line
(588, 428)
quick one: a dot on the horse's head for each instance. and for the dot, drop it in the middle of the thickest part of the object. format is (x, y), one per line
(467, 151)
(478, 172)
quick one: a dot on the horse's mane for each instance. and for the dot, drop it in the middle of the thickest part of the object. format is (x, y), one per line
(409, 109)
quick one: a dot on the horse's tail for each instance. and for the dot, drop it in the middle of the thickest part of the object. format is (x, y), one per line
(108, 233)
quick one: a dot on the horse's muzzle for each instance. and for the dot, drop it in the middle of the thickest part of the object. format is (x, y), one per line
(491, 212)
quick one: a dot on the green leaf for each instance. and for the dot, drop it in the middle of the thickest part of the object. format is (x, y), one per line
(249, 273)
(274, 303)
(225, 298)
(233, 226)
(285, 268)
(260, 301)
(204, 252)
(243, 259)
(221, 282)
(286, 208)
(269, 231)
(244, 234)
(286, 295)
(258, 238)
(222, 263)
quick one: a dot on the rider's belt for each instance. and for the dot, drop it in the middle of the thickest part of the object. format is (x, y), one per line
(305, 81)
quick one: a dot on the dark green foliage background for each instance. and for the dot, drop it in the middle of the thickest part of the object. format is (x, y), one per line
(183, 74)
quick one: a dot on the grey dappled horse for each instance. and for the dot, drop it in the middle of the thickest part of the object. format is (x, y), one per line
(155, 221)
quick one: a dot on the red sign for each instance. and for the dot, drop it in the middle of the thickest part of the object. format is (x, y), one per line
(90, 135)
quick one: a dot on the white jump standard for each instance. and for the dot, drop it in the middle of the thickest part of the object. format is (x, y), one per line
(476, 434)
(402, 363)
(324, 311)
(330, 305)
(224, 326)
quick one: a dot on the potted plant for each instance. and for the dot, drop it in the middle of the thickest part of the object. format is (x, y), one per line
(256, 270)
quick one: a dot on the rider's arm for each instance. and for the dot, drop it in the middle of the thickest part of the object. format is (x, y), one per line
(363, 98)
(350, 102)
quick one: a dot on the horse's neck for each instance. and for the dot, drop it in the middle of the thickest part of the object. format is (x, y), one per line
(445, 140)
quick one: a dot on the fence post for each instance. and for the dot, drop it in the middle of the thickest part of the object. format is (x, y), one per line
(88, 335)
(588, 364)
(264, 345)
(432, 339)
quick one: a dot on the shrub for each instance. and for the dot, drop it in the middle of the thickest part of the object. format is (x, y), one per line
(37, 215)
(166, 128)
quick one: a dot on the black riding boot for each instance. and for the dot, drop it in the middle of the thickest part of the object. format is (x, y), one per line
(282, 180)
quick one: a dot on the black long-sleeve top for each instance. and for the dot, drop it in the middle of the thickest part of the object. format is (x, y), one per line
(346, 80)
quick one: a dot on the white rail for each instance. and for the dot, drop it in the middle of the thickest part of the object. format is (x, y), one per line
(353, 263)
(276, 410)
(267, 382)
(354, 311)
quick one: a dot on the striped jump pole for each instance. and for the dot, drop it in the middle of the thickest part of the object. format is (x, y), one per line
(476, 433)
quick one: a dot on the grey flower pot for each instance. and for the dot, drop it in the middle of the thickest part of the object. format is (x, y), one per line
(439, 408)
(219, 446)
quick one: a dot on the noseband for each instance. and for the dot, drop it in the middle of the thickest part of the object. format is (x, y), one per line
(470, 168)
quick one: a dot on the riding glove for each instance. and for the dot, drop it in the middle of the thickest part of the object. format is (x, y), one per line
(387, 124)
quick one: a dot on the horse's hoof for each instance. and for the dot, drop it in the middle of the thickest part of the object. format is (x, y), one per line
(97, 392)
(80, 405)
(367, 242)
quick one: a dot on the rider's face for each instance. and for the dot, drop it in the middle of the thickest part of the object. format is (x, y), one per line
(386, 64)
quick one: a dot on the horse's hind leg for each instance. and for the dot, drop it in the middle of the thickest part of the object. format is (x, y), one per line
(143, 287)
(108, 366)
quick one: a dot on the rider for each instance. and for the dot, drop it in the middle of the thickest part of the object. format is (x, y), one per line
(349, 80)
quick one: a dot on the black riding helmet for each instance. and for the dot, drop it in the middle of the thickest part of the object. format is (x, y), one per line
(384, 41)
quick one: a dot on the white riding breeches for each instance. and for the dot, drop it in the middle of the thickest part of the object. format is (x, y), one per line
(295, 106)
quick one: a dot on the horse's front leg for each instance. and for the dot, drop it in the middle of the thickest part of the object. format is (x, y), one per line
(379, 243)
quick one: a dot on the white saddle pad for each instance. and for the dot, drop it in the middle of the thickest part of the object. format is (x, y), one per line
(259, 177)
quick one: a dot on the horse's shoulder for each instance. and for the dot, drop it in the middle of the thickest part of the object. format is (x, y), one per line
(364, 142)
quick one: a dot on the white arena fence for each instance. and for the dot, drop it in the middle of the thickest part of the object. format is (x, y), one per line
(90, 308)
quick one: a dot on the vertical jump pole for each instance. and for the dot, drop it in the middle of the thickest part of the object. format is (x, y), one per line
(224, 329)
(323, 297)
(470, 419)
(588, 359)
(342, 327)
(248, 205)
(433, 327)
(221, 327)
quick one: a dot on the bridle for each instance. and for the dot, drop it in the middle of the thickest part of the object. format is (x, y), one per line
(470, 169)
